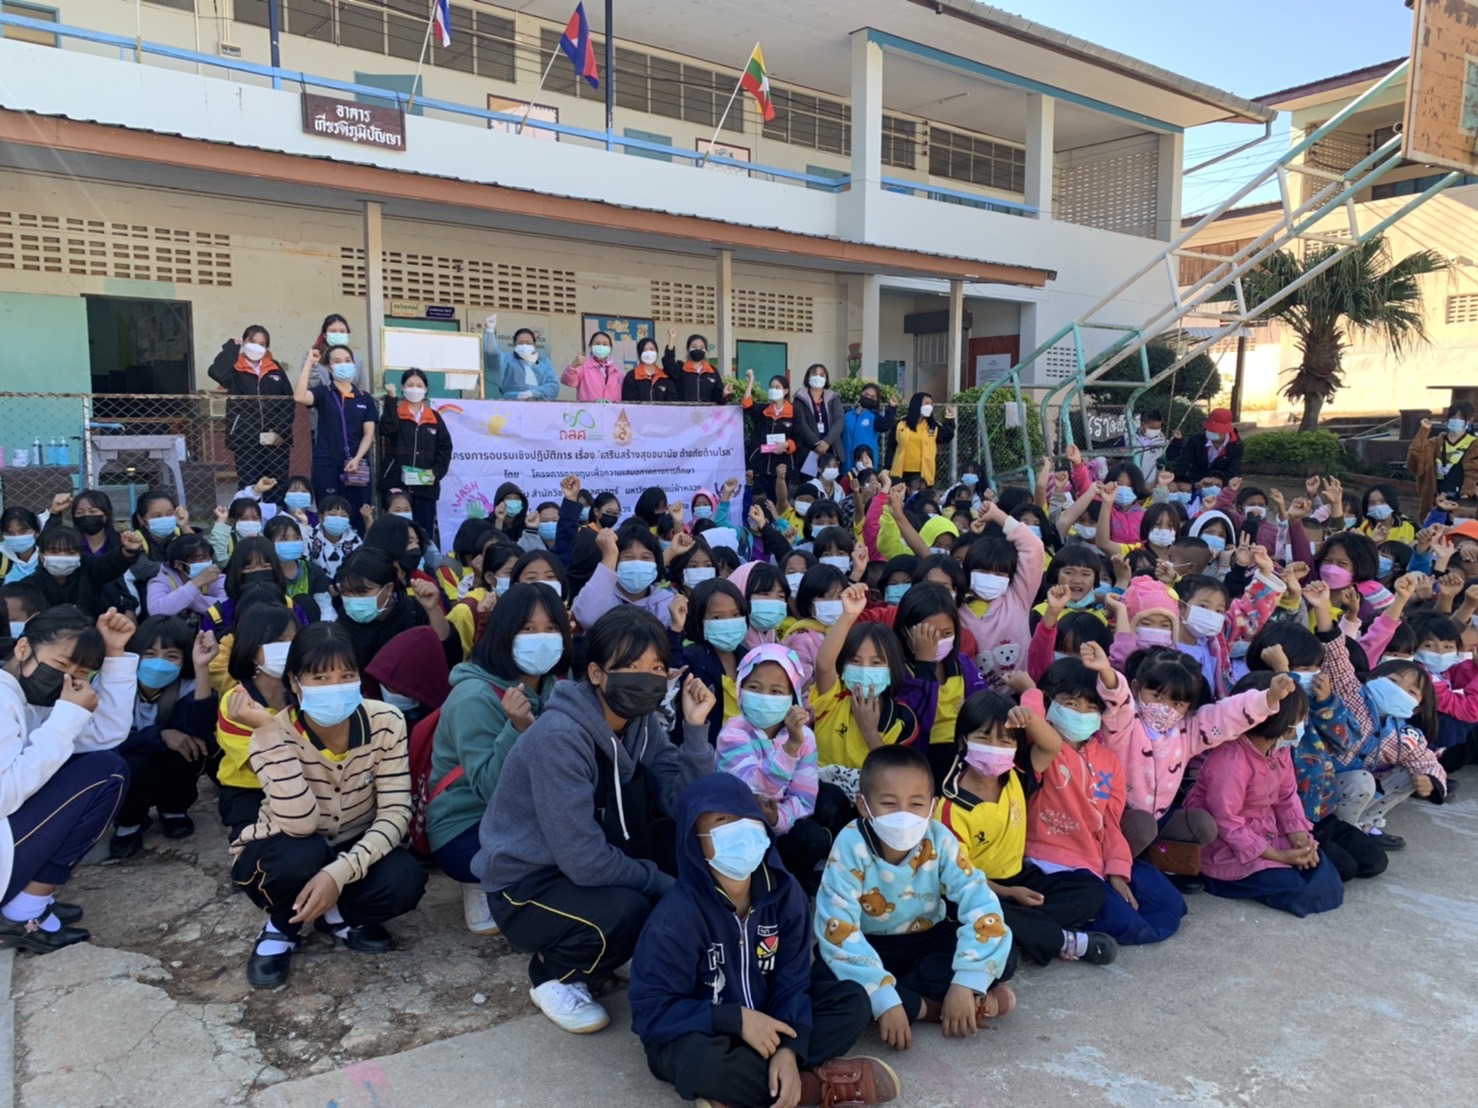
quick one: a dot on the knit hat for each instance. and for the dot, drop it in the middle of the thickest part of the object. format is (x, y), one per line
(1199, 523)
(937, 526)
(1146, 595)
(786, 658)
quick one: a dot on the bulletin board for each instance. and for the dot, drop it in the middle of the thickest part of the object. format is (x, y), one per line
(456, 353)
(625, 333)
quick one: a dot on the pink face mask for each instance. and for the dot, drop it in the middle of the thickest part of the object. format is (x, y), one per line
(1153, 636)
(989, 761)
(1336, 577)
(942, 651)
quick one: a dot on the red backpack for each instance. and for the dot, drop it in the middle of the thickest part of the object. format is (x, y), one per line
(423, 790)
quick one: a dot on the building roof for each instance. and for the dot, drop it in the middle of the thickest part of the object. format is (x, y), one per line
(1236, 213)
(1299, 95)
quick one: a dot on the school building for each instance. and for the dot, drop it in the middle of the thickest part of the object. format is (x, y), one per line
(171, 171)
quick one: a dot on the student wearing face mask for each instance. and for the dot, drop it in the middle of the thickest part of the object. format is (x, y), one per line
(19, 557)
(259, 411)
(940, 675)
(578, 841)
(325, 848)
(1214, 451)
(61, 781)
(819, 422)
(306, 584)
(1444, 457)
(375, 608)
(256, 656)
(333, 538)
(188, 582)
(597, 376)
(496, 695)
(818, 602)
(708, 634)
(173, 723)
(772, 436)
(867, 425)
(630, 571)
(695, 380)
(418, 448)
(648, 382)
(346, 426)
(525, 374)
(919, 437)
(66, 577)
(332, 334)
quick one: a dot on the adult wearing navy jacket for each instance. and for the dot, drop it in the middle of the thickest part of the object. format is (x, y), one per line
(722, 972)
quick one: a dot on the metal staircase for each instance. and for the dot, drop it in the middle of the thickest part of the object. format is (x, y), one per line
(1215, 306)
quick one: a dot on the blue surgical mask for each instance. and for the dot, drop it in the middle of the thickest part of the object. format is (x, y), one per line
(513, 507)
(1034, 529)
(601, 351)
(738, 848)
(894, 594)
(1075, 726)
(1390, 699)
(1215, 543)
(327, 705)
(297, 500)
(636, 577)
(1305, 678)
(703, 511)
(155, 673)
(763, 710)
(794, 581)
(335, 526)
(502, 584)
(18, 545)
(867, 680)
(694, 576)
(17, 628)
(161, 527)
(547, 530)
(969, 480)
(248, 528)
(1384, 565)
(1087, 600)
(1435, 662)
(195, 569)
(362, 609)
(725, 634)
(337, 338)
(1180, 498)
(1457, 426)
(766, 613)
(584, 515)
(1379, 512)
(343, 371)
(536, 653)
(1124, 496)
(289, 550)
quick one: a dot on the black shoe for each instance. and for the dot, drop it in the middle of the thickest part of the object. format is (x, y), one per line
(1452, 787)
(30, 936)
(268, 971)
(176, 827)
(1102, 949)
(126, 846)
(1388, 842)
(1186, 883)
(367, 938)
(67, 913)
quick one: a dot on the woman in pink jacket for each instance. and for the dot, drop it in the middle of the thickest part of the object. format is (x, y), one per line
(596, 377)
(1005, 574)
(1264, 849)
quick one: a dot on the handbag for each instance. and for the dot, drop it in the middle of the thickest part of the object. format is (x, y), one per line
(359, 476)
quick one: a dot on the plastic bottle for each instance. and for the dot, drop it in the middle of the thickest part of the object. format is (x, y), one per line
(36, 451)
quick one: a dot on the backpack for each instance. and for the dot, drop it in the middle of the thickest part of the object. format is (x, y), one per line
(423, 791)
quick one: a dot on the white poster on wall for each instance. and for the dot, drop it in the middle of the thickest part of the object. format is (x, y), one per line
(518, 108)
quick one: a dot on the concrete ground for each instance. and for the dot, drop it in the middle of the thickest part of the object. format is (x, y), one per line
(1373, 1004)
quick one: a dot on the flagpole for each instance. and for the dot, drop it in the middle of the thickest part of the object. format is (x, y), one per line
(727, 108)
(425, 42)
(552, 58)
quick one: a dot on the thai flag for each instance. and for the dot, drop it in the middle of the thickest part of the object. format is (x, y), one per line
(575, 42)
(441, 19)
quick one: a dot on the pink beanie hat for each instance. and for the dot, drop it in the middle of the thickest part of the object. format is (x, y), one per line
(786, 658)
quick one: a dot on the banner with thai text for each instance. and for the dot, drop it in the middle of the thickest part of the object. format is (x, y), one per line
(621, 448)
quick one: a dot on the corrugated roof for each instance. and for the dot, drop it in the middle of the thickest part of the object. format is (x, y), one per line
(1328, 84)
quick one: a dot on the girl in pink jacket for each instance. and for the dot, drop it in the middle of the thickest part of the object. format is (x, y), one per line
(597, 377)
(1264, 849)
(1005, 575)
(1156, 726)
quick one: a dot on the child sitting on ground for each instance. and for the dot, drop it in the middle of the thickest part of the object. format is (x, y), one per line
(730, 1013)
(881, 918)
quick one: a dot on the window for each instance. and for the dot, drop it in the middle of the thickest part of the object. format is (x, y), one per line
(1413, 185)
(811, 121)
(405, 28)
(496, 55)
(977, 161)
(310, 18)
(655, 85)
(899, 143)
(25, 34)
(182, 5)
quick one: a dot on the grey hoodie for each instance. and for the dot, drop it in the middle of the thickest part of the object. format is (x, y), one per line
(543, 810)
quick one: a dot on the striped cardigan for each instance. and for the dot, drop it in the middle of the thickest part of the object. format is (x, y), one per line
(366, 796)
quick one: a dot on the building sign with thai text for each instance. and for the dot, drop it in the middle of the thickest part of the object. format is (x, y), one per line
(362, 124)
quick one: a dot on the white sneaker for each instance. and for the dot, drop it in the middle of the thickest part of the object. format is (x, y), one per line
(570, 1007)
(476, 911)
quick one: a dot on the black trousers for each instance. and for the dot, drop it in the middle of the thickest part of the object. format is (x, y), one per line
(575, 934)
(255, 462)
(273, 871)
(923, 963)
(1350, 851)
(1073, 898)
(159, 779)
(728, 1070)
(63, 819)
(238, 807)
(941, 760)
(833, 809)
(802, 848)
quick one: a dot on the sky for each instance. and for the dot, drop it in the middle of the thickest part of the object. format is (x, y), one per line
(1250, 47)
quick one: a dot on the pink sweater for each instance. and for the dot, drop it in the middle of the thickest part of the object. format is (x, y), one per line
(1154, 767)
(594, 380)
(761, 763)
(1254, 799)
(1003, 631)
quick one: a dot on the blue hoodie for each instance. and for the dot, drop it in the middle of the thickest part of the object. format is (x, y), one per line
(697, 964)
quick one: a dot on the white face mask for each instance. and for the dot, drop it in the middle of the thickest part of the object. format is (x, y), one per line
(926, 410)
(274, 658)
(415, 393)
(777, 395)
(648, 357)
(526, 351)
(830, 474)
(816, 381)
(254, 351)
(989, 586)
(898, 830)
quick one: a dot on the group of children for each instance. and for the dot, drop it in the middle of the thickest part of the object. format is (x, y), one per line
(838, 755)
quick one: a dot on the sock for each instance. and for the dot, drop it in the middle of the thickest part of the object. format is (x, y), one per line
(130, 830)
(24, 907)
(274, 941)
(171, 815)
(333, 917)
(1074, 945)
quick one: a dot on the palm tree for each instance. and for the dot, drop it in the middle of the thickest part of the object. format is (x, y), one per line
(1362, 293)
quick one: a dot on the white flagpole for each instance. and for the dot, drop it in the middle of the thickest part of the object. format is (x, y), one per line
(552, 58)
(425, 42)
(727, 108)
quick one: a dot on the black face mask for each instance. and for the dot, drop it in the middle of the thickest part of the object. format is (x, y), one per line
(256, 577)
(634, 695)
(410, 560)
(608, 521)
(91, 525)
(869, 401)
(697, 354)
(43, 688)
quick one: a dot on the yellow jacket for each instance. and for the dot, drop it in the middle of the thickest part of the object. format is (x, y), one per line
(917, 451)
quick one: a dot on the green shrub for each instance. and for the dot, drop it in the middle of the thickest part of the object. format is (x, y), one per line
(850, 389)
(1197, 379)
(1005, 442)
(1294, 448)
(1185, 417)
